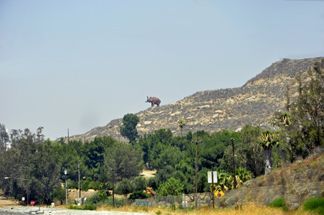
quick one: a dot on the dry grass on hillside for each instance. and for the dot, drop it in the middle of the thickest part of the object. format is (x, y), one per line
(248, 209)
(148, 173)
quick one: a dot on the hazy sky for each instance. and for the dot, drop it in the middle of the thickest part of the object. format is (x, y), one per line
(80, 64)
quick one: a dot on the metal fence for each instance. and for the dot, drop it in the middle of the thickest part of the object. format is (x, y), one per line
(294, 194)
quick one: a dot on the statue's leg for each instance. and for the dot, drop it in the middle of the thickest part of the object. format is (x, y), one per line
(152, 104)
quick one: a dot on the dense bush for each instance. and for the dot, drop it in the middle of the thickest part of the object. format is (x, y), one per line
(94, 199)
(315, 205)
(278, 203)
(139, 183)
(99, 197)
(137, 195)
(72, 184)
(89, 206)
(58, 194)
(171, 187)
(124, 187)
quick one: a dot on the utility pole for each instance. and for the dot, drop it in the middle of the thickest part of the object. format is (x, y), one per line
(233, 164)
(212, 174)
(113, 171)
(68, 137)
(196, 166)
(27, 191)
(66, 199)
(79, 182)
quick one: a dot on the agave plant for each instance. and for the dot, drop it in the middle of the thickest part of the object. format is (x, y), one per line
(223, 181)
(286, 118)
(244, 174)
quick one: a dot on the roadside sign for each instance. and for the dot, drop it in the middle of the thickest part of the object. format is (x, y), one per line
(219, 193)
(32, 203)
(209, 175)
(142, 202)
(23, 199)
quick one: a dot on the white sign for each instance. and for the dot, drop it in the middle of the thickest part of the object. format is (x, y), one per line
(23, 198)
(209, 175)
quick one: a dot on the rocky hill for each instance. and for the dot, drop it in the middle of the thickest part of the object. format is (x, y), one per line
(215, 110)
(295, 182)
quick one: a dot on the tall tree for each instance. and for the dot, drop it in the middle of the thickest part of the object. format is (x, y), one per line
(128, 129)
(181, 125)
(305, 127)
(268, 140)
(4, 137)
(125, 160)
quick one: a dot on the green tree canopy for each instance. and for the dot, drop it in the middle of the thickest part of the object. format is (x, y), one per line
(125, 159)
(32, 160)
(128, 129)
(171, 187)
(124, 187)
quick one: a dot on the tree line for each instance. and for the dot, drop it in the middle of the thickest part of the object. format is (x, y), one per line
(41, 162)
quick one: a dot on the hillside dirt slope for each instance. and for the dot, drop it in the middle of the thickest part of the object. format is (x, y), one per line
(5, 202)
(215, 110)
(296, 183)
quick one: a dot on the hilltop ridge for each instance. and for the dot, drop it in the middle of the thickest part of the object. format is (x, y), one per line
(215, 110)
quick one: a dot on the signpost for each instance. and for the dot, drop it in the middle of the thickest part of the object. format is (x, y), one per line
(212, 178)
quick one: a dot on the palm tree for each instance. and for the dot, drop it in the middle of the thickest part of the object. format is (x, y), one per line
(268, 140)
(181, 125)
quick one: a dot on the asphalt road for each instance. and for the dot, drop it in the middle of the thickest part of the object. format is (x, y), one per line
(15, 210)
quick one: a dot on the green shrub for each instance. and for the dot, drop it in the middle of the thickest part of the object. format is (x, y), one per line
(315, 205)
(137, 195)
(72, 184)
(238, 207)
(144, 208)
(313, 164)
(102, 195)
(58, 194)
(158, 212)
(94, 199)
(85, 184)
(89, 206)
(278, 203)
(74, 207)
(171, 187)
(94, 185)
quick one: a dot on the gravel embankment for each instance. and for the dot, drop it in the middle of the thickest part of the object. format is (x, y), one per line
(15, 210)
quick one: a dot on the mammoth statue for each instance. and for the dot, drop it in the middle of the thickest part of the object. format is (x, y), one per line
(153, 101)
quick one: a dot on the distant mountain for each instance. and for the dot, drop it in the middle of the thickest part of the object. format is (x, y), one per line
(215, 110)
